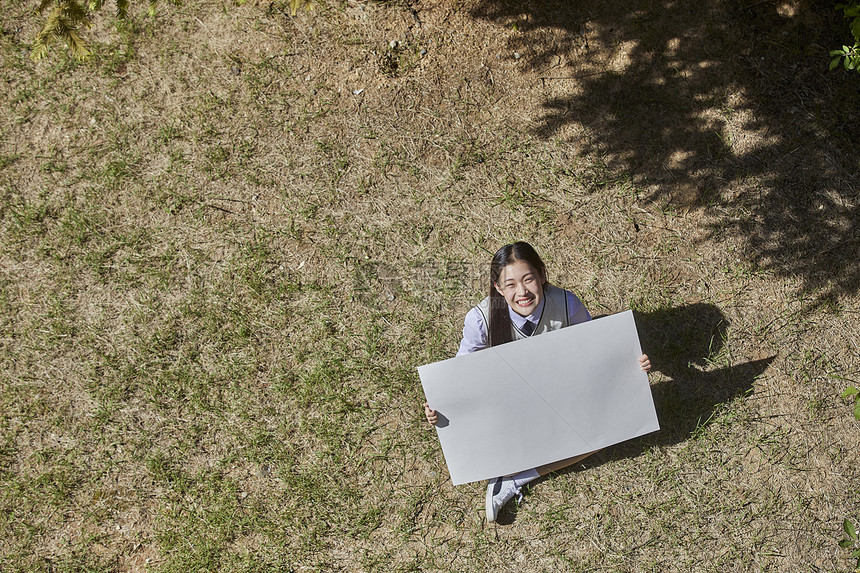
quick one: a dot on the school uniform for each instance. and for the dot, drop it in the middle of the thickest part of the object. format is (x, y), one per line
(558, 308)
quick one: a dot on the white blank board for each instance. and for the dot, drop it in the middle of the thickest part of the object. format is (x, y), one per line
(536, 401)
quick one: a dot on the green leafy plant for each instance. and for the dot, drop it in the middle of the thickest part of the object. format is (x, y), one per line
(296, 4)
(849, 55)
(855, 392)
(851, 541)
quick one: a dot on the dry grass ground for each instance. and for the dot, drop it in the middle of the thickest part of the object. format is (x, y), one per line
(229, 239)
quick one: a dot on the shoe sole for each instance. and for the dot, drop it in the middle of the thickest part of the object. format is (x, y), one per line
(491, 516)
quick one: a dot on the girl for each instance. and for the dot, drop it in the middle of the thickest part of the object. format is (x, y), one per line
(521, 304)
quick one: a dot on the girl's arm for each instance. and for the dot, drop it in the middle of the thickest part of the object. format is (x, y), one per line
(474, 333)
(576, 310)
(474, 339)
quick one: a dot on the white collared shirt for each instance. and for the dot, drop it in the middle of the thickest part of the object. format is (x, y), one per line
(475, 330)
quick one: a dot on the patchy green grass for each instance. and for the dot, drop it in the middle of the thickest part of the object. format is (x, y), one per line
(228, 240)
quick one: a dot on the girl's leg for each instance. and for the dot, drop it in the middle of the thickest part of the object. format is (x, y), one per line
(555, 466)
(502, 489)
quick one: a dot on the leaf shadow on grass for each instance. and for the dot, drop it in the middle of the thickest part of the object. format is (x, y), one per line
(680, 342)
(724, 108)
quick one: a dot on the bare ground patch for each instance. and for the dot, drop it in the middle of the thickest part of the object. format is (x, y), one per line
(229, 239)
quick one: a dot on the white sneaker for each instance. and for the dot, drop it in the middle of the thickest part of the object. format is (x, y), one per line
(499, 492)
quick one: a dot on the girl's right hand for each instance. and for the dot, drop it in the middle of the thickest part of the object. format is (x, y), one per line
(432, 416)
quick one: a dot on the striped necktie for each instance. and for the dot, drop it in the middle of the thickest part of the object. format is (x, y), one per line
(528, 328)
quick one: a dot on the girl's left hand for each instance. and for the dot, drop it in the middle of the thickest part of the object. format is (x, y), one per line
(645, 363)
(431, 414)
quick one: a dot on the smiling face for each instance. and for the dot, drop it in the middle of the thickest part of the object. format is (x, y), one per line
(522, 286)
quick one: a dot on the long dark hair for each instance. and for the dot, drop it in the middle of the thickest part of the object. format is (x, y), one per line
(499, 329)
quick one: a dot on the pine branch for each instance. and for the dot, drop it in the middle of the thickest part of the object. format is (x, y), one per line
(42, 6)
(67, 31)
(63, 23)
(67, 17)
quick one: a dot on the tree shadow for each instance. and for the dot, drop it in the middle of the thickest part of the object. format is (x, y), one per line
(726, 108)
(681, 343)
